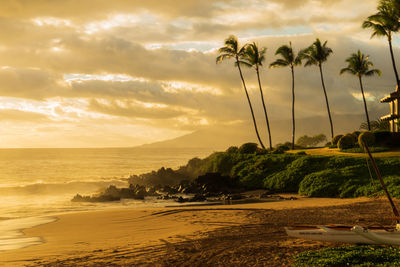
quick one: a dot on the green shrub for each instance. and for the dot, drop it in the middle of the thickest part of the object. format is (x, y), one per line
(262, 152)
(328, 144)
(321, 184)
(248, 148)
(381, 137)
(221, 163)
(387, 139)
(374, 188)
(347, 141)
(335, 139)
(348, 191)
(252, 172)
(356, 133)
(232, 149)
(339, 162)
(288, 179)
(366, 137)
(350, 256)
(284, 147)
(278, 151)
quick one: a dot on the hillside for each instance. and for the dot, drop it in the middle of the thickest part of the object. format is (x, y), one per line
(222, 137)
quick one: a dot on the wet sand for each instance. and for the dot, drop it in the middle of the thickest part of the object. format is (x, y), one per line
(245, 234)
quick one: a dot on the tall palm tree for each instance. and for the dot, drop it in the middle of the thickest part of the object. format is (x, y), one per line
(316, 54)
(288, 59)
(255, 57)
(232, 50)
(383, 24)
(359, 65)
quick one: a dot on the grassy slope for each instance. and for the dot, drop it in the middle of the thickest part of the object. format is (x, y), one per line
(336, 152)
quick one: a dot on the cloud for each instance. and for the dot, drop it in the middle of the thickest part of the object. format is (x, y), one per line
(134, 110)
(28, 83)
(75, 9)
(165, 51)
(15, 115)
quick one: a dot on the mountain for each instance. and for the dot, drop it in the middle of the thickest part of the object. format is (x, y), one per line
(222, 137)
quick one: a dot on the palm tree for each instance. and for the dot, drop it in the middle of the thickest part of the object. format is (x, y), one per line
(288, 59)
(232, 50)
(358, 65)
(378, 125)
(255, 57)
(317, 54)
(384, 24)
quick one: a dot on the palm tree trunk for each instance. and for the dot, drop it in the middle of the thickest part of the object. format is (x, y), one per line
(251, 107)
(365, 103)
(326, 99)
(265, 109)
(394, 63)
(293, 119)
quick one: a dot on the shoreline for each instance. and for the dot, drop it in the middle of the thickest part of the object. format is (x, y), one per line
(13, 235)
(89, 231)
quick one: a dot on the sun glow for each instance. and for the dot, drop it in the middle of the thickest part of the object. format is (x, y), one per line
(51, 21)
(56, 109)
(359, 97)
(120, 20)
(175, 87)
(101, 77)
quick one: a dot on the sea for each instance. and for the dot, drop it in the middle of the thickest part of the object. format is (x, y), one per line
(38, 184)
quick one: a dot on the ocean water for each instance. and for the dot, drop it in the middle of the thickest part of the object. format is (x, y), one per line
(37, 184)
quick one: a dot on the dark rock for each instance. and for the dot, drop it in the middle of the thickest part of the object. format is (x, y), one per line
(232, 197)
(198, 198)
(181, 200)
(113, 193)
(101, 198)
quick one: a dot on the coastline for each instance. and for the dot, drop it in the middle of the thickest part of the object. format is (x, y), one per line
(12, 232)
(102, 232)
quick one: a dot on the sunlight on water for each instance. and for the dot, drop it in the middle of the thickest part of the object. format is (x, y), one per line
(29, 166)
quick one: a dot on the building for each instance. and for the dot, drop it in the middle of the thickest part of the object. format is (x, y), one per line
(393, 117)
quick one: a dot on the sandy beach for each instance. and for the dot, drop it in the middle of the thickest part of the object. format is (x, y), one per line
(245, 234)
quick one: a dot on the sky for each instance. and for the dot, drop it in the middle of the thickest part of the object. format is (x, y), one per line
(124, 73)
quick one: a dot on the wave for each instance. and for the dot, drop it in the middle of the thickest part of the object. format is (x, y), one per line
(73, 187)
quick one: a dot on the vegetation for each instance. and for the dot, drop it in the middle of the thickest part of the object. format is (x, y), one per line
(351, 255)
(233, 50)
(359, 65)
(252, 168)
(376, 125)
(248, 148)
(317, 54)
(383, 24)
(366, 138)
(288, 59)
(310, 141)
(254, 57)
(377, 141)
(336, 139)
(347, 141)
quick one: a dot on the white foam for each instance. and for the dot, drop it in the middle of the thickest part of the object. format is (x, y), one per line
(12, 237)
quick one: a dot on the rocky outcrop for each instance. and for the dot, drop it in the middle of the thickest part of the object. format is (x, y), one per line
(113, 193)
